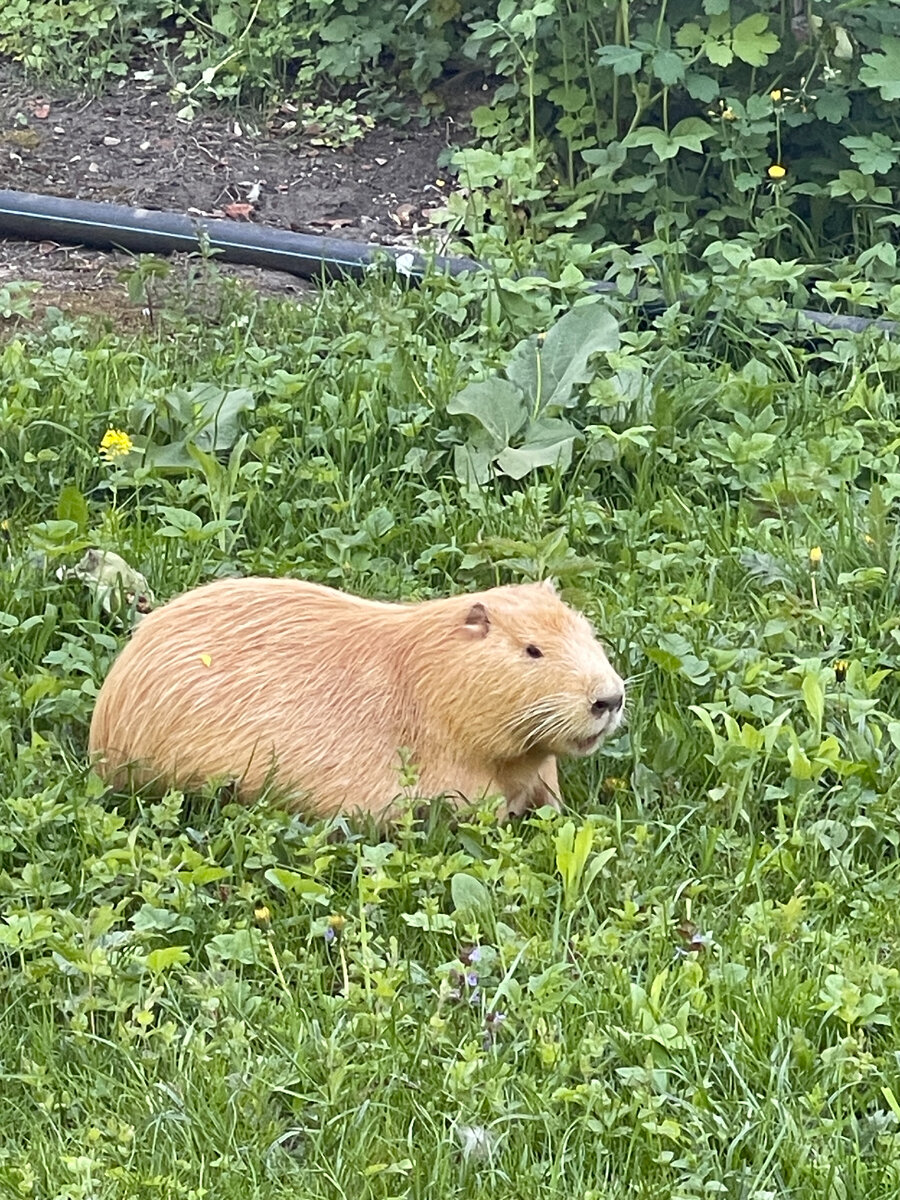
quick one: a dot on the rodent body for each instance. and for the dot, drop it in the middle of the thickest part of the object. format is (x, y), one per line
(320, 694)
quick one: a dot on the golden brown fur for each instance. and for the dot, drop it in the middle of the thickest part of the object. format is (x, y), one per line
(279, 681)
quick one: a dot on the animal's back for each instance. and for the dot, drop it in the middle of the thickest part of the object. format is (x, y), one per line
(242, 676)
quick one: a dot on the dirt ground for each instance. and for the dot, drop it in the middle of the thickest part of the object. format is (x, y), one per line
(128, 147)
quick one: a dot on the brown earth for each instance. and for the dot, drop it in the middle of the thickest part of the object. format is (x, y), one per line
(129, 147)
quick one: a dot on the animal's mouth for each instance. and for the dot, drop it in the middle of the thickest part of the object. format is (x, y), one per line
(584, 746)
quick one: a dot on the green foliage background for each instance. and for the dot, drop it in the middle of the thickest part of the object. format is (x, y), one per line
(627, 122)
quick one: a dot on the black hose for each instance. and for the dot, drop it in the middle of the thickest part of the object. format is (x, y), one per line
(151, 231)
(148, 231)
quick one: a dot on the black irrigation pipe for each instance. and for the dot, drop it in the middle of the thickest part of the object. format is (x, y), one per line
(150, 231)
(34, 217)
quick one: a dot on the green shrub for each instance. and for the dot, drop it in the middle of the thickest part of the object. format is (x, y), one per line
(760, 132)
(732, 121)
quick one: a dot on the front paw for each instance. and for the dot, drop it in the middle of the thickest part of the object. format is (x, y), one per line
(528, 799)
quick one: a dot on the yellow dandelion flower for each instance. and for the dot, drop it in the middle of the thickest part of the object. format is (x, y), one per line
(815, 557)
(775, 96)
(777, 171)
(840, 670)
(262, 915)
(114, 444)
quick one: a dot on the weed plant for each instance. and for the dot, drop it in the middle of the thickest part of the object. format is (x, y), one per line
(686, 985)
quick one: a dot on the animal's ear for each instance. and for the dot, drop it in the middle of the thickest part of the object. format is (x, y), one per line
(549, 586)
(477, 622)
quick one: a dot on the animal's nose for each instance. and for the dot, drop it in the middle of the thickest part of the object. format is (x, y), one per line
(608, 704)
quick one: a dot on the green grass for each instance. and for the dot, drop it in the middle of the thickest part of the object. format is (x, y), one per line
(698, 993)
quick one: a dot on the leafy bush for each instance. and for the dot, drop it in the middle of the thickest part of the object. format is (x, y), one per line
(239, 48)
(759, 131)
(728, 123)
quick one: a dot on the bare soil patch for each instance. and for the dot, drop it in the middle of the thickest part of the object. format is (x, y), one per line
(128, 147)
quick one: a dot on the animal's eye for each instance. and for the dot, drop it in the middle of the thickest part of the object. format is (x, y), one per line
(533, 652)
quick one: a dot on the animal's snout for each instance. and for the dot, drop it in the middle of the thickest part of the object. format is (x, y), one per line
(610, 703)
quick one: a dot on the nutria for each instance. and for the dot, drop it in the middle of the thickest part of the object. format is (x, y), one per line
(332, 698)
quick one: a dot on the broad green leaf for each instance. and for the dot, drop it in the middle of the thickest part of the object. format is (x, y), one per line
(549, 443)
(219, 414)
(570, 98)
(72, 506)
(750, 41)
(296, 884)
(701, 87)
(882, 70)
(624, 60)
(472, 462)
(53, 533)
(549, 374)
(241, 946)
(469, 894)
(496, 404)
(874, 155)
(172, 458)
(179, 521)
(688, 134)
(44, 685)
(814, 697)
(690, 36)
(149, 919)
(832, 106)
(691, 133)
(166, 957)
(719, 54)
(668, 67)
(657, 139)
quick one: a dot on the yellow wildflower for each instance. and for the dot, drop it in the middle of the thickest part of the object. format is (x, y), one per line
(728, 114)
(815, 557)
(777, 171)
(775, 96)
(114, 444)
(262, 915)
(840, 670)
